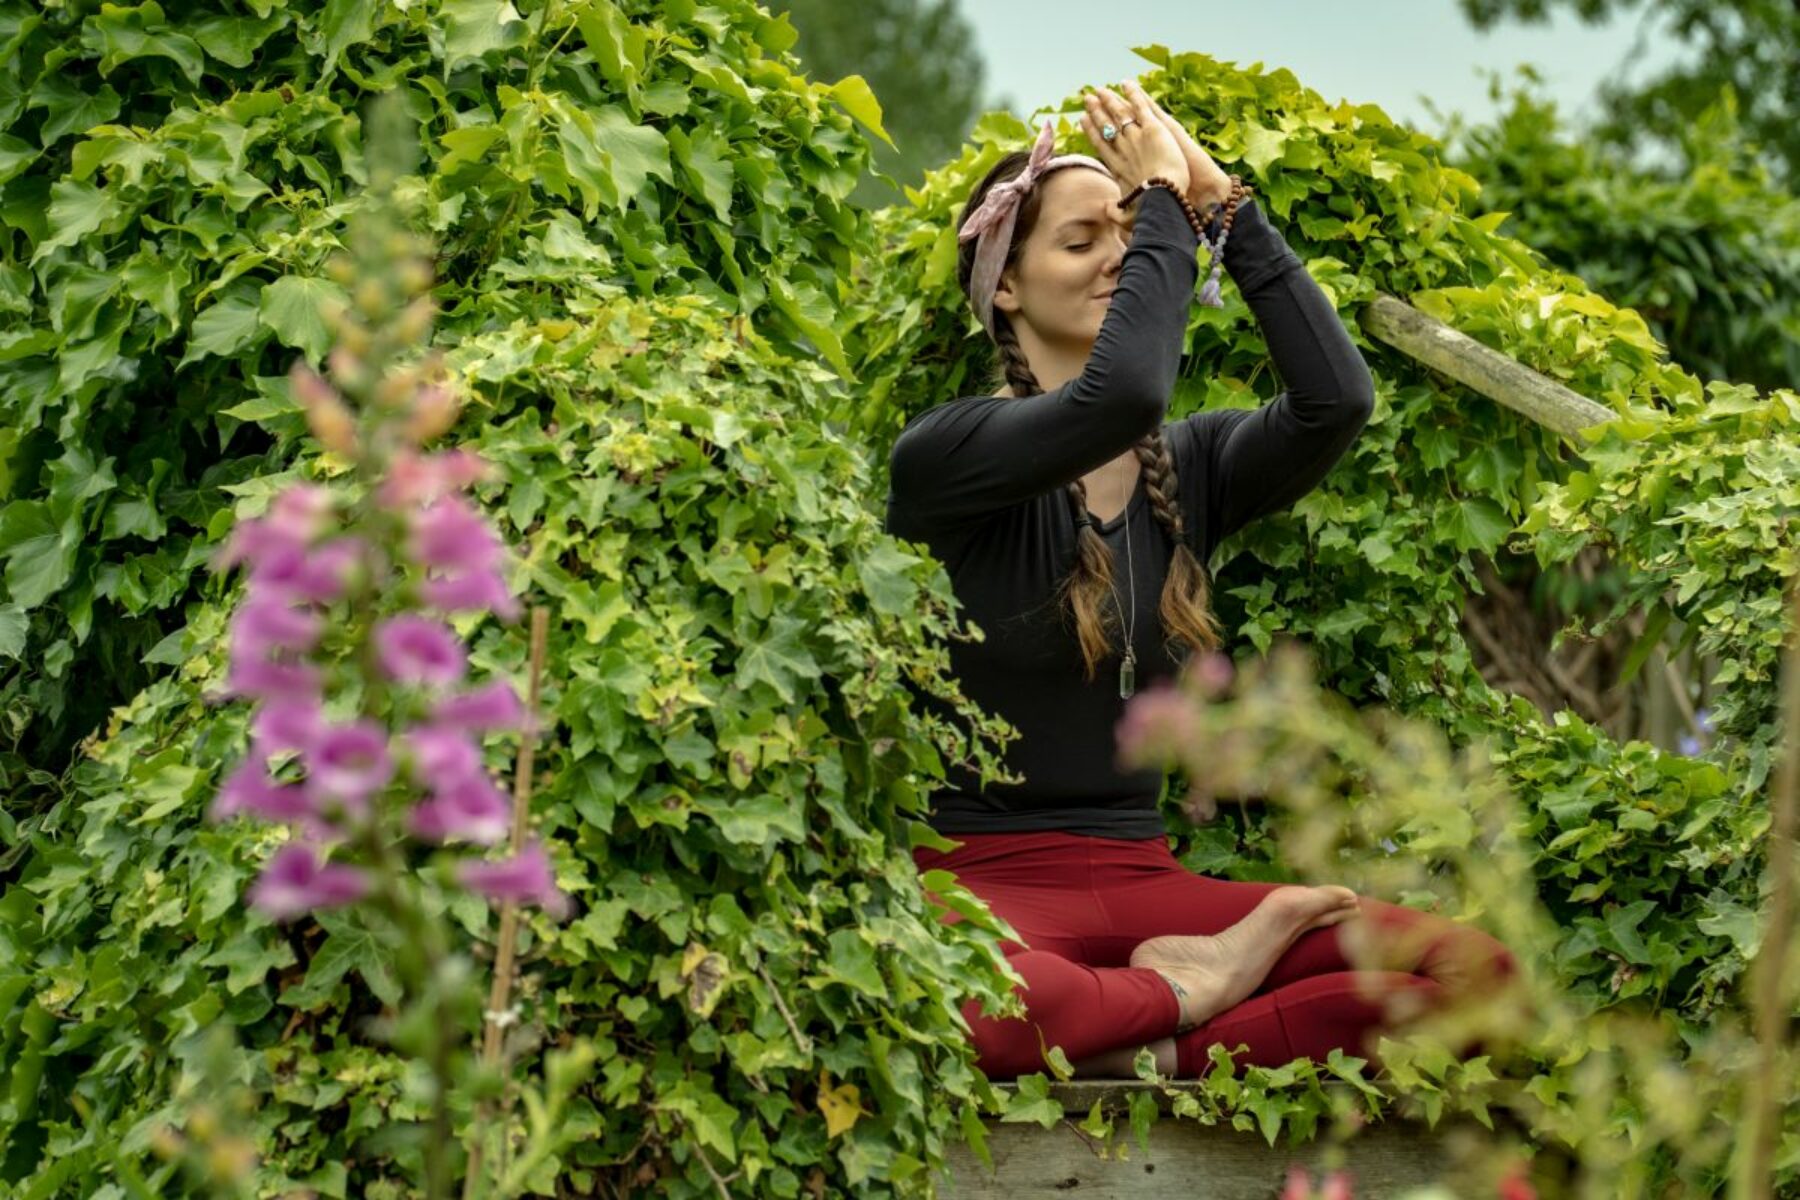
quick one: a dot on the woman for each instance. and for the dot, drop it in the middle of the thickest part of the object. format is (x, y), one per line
(1029, 497)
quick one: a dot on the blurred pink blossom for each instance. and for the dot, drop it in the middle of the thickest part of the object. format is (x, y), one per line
(249, 788)
(492, 706)
(415, 478)
(525, 877)
(441, 757)
(450, 534)
(470, 809)
(265, 621)
(288, 722)
(470, 591)
(269, 678)
(410, 648)
(295, 882)
(349, 763)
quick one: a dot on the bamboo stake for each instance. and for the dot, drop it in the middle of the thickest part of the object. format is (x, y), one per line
(1767, 1098)
(500, 994)
(1497, 376)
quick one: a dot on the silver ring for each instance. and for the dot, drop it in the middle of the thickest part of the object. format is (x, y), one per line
(1109, 131)
(1130, 121)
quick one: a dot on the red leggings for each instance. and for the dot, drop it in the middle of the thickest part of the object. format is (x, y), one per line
(1082, 904)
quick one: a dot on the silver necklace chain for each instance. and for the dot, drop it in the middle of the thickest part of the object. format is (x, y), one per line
(1128, 665)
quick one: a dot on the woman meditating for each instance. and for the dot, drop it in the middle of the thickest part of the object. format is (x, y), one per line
(1082, 271)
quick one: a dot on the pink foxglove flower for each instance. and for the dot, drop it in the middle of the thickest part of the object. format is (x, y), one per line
(249, 788)
(1161, 716)
(471, 809)
(442, 757)
(492, 706)
(450, 534)
(265, 621)
(349, 763)
(471, 591)
(295, 882)
(267, 678)
(286, 723)
(296, 516)
(525, 877)
(415, 649)
(1336, 1186)
(319, 573)
(414, 478)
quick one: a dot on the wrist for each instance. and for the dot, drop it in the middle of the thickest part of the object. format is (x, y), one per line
(1210, 194)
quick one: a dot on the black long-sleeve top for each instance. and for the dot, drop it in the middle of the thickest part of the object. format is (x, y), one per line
(981, 481)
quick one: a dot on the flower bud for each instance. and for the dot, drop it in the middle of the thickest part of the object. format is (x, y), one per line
(331, 422)
(434, 411)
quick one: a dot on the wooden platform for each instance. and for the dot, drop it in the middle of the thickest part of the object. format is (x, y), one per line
(1186, 1159)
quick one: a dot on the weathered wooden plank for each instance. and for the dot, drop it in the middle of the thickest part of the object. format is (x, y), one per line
(1497, 376)
(1185, 1158)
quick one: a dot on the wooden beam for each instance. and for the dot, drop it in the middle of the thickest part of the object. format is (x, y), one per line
(1497, 376)
(1186, 1159)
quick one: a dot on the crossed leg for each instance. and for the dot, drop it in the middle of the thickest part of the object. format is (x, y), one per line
(1333, 987)
(1338, 986)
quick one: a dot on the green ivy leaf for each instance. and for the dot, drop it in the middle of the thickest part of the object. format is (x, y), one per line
(475, 28)
(40, 554)
(348, 947)
(294, 307)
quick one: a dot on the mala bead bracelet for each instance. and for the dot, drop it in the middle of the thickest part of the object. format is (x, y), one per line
(1209, 295)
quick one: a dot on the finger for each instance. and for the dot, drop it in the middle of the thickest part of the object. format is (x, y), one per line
(1143, 107)
(1116, 109)
(1090, 127)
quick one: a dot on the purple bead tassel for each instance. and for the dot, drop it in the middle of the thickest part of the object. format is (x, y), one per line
(1209, 295)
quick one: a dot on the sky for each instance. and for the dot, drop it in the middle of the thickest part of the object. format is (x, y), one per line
(1399, 54)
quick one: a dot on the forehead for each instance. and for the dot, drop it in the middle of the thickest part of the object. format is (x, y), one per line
(1079, 198)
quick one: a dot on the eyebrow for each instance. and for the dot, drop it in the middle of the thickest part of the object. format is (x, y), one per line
(1077, 222)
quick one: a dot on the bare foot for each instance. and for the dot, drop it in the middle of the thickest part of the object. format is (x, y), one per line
(1221, 970)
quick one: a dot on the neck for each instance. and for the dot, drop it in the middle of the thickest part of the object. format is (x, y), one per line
(1053, 363)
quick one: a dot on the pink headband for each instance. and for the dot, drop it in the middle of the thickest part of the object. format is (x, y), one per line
(993, 221)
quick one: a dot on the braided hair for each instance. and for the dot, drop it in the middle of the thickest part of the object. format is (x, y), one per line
(1184, 606)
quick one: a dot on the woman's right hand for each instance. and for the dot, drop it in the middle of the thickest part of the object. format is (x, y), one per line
(1139, 151)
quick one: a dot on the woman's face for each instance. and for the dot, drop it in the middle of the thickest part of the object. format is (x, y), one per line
(1071, 259)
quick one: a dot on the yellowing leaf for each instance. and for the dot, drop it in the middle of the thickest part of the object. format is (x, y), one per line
(840, 1105)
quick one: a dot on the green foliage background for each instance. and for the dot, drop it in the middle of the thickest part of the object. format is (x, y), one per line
(687, 352)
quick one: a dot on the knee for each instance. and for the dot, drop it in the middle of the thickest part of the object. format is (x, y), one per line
(1474, 959)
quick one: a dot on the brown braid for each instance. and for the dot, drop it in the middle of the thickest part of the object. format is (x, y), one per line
(1185, 604)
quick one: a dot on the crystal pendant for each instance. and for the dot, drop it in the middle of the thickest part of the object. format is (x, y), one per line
(1128, 675)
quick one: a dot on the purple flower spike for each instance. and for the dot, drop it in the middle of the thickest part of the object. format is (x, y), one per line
(295, 882)
(472, 810)
(450, 534)
(1703, 718)
(415, 649)
(470, 591)
(349, 763)
(1689, 745)
(442, 757)
(525, 877)
(265, 621)
(492, 706)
